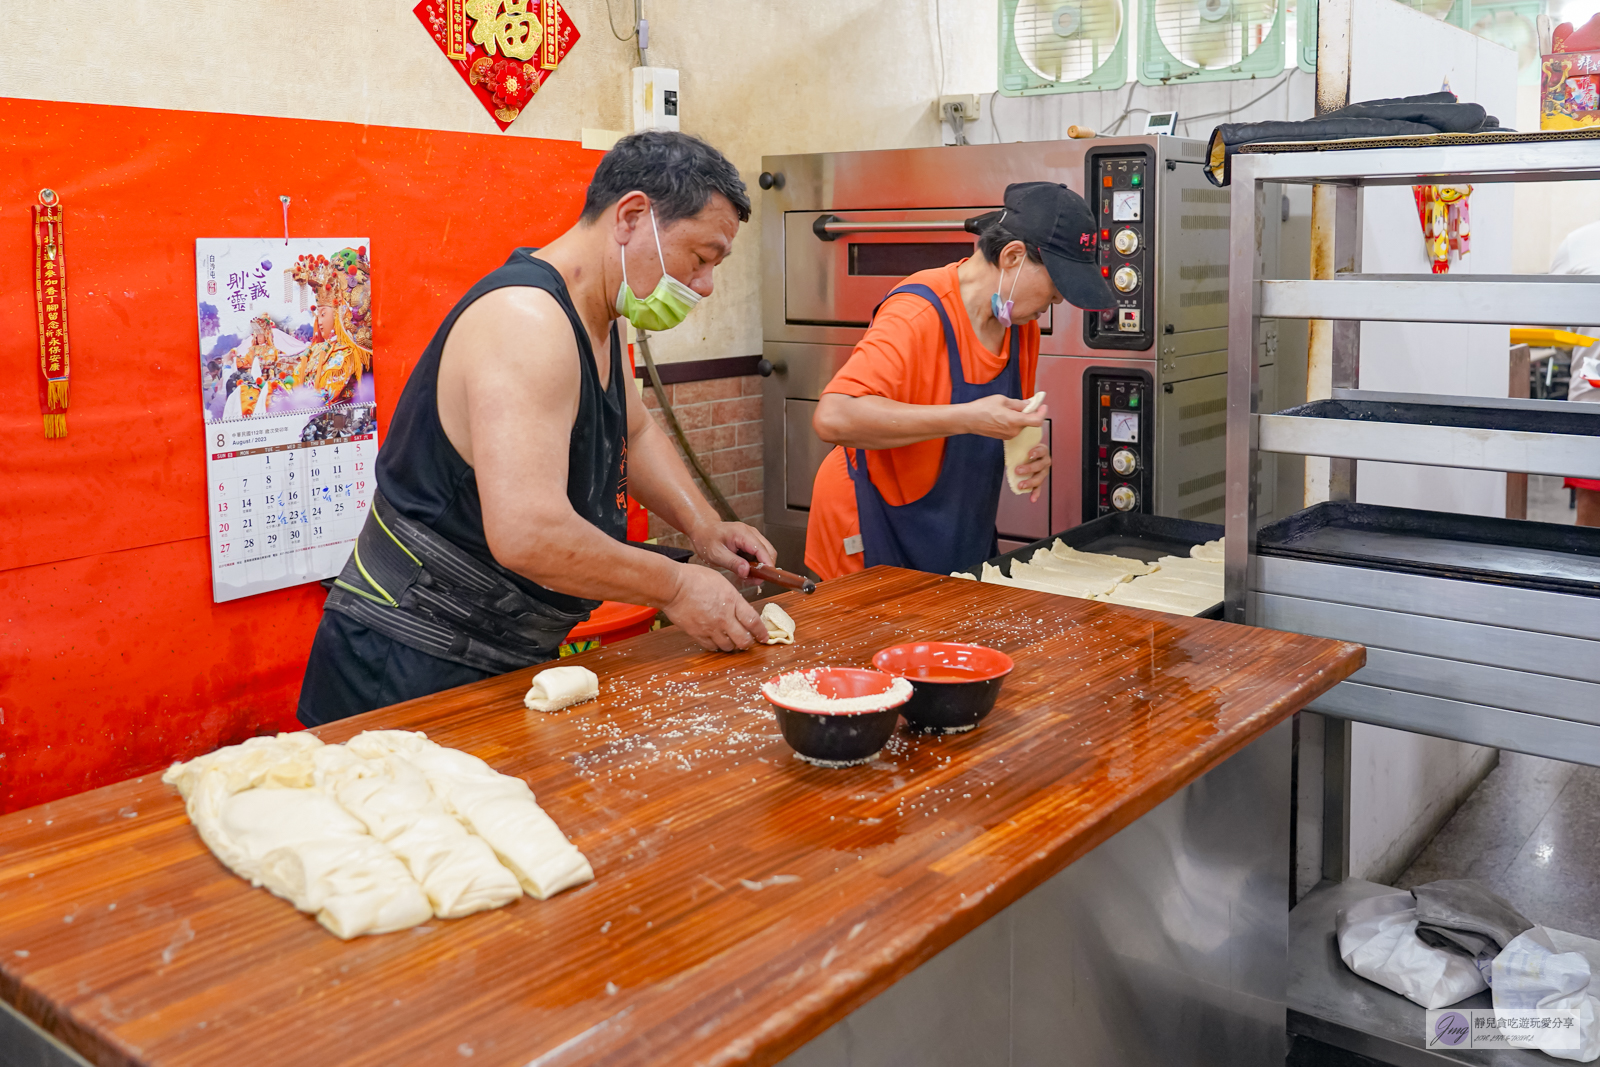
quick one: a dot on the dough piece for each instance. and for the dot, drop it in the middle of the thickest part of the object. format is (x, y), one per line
(1046, 564)
(207, 782)
(1211, 550)
(964, 574)
(1172, 603)
(780, 627)
(1084, 582)
(283, 761)
(1185, 565)
(1065, 553)
(1046, 582)
(392, 798)
(1018, 447)
(561, 687)
(1185, 586)
(497, 807)
(302, 846)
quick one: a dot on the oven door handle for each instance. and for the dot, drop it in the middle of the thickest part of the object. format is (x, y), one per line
(829, 227)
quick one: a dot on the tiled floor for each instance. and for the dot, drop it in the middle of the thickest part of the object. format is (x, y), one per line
(1548, 501)
(1530, 832)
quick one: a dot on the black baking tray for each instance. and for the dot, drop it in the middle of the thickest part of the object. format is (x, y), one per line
(1577, 422)
(1130, 534)
(1529, 555)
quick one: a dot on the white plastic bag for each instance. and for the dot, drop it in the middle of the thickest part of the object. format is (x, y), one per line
(1378, 940)
(1530, 973)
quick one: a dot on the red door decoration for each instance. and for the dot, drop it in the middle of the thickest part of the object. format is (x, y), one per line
(50, 298)
(503, 49)
(1445, 214)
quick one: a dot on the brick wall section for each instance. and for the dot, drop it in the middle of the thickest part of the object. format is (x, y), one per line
(722, 419)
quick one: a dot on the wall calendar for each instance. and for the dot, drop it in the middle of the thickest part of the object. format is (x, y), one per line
(290, 408)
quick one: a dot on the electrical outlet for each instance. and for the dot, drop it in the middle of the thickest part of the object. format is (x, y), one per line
(962, 105)
(958, 110)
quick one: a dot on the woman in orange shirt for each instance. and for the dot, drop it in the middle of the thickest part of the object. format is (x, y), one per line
(935, 387)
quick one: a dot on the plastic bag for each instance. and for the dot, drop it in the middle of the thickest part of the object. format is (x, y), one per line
(1378, 941)
(1530, 973)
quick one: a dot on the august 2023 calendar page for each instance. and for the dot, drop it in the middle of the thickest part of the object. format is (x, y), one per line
(290, 409)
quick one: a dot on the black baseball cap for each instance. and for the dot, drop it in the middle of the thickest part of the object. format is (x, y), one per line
(1057, 221)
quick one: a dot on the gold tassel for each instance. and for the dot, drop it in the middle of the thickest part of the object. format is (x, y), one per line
(56, 394)
(55, 426)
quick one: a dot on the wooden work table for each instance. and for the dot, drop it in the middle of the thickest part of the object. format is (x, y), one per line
(743, 900)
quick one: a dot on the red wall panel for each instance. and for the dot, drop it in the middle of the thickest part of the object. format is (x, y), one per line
(113, 660)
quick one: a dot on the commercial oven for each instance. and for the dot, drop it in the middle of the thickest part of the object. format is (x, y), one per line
(1137, 394)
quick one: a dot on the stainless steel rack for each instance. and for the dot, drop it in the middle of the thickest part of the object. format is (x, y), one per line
(1545, 437)
(1482, 659)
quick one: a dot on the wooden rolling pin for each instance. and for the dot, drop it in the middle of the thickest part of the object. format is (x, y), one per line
(787, 579)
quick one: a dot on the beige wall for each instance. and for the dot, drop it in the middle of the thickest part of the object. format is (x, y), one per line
(757, 77)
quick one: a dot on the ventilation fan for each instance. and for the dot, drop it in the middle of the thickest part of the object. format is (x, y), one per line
(1210, 40)
(1062, 46)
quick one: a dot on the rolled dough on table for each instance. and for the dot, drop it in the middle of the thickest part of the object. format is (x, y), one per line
(780, 627)
(1018, 447)
(561, 687)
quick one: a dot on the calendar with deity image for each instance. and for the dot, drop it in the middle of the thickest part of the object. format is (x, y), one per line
(290, 409)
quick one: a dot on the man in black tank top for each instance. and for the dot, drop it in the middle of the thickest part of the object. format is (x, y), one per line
(500, 517)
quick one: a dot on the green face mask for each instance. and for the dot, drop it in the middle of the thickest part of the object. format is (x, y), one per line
(664, 308)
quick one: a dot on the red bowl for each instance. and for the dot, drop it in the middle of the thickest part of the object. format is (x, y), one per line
(839, 738)
(953, 685)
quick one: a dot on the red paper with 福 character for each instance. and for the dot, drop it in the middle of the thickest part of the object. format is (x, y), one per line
(503, 49)
(50, 298)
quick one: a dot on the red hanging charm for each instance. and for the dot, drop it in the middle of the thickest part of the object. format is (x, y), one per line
(503, 49)
(50, 296)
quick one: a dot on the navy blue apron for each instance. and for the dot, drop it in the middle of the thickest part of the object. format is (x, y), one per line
(953, 525)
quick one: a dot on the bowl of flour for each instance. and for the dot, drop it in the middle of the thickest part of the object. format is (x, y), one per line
(836, 716)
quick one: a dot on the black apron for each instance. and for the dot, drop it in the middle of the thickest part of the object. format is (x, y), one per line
(422, 605)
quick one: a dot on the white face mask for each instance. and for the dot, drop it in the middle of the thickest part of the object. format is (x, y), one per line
(666, 306)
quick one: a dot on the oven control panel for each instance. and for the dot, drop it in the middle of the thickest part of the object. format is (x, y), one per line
(1118, 427)
(1120, 183)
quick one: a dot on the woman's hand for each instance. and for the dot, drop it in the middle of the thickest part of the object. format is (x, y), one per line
(1000, 416)
(1034, 470)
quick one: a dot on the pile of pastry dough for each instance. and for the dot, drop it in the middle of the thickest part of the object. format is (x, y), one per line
(381, 833)
(1175, 584)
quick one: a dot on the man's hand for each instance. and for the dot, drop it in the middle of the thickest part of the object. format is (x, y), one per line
(710, 610)
(1000, 416)
(1034, 469)
(719, 544)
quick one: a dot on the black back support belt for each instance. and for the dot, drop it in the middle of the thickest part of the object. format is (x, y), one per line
(406, 582)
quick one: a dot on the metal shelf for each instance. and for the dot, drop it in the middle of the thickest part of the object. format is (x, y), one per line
(1536, 161)
(1332, 1004)
(1515, 300)
(1484, 658)
(1436, 432)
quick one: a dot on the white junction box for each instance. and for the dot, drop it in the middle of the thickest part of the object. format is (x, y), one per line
(655, 98)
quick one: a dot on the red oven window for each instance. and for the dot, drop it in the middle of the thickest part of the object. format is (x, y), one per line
(896, 260)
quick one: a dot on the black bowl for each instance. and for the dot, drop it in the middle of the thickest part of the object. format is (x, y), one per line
(953, 686)
(834, 738)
